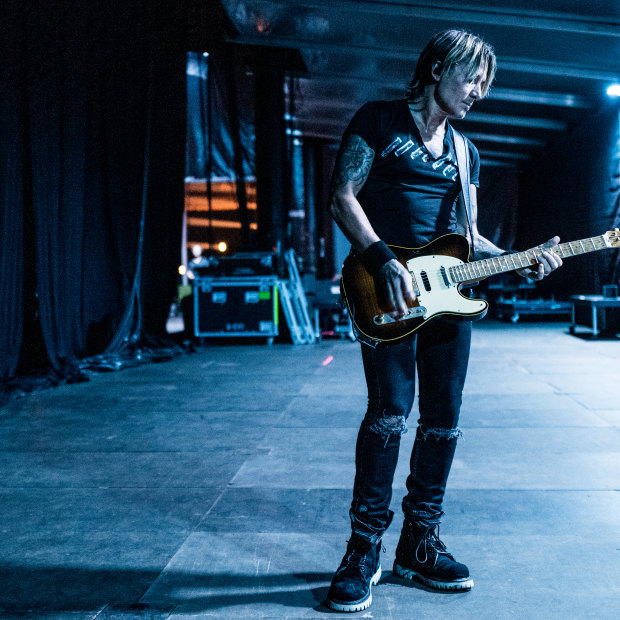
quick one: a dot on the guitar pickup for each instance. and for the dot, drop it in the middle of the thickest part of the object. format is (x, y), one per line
(383, 319)
(444, 275)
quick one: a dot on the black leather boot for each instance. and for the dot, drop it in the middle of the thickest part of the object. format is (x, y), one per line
(422, 556)
(359, 570)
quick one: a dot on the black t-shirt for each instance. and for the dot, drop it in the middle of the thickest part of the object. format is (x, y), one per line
(409, 196)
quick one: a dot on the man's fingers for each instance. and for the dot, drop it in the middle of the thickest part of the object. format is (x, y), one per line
(538, 273)
(547, 261)
(403, 295)
(408, 291)
(550, 261)
(404, 290)
(398, 287)
(397, 298)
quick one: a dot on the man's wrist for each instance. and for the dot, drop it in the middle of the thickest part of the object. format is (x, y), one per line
(375, 256)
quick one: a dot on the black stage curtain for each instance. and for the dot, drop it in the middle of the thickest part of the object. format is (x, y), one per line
(12, 154)
(220, 120)
(92, 153)
(220, 124)
(574, 191)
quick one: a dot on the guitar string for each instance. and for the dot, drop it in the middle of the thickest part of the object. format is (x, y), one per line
(466, 271)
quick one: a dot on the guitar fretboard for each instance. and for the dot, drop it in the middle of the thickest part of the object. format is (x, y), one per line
(518, 260)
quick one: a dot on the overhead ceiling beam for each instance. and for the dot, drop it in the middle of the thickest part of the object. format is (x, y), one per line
(563, 100)
(523, 65)
(491, 154)
(501, 139)
(497, 163)
(493, 16)
(321, 135)
(515, 121)
(546, 67)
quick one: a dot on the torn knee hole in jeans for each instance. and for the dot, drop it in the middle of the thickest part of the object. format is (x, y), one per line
(440, 433)
(389, 425)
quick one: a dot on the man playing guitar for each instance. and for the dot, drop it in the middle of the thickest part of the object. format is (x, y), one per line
(396, 181)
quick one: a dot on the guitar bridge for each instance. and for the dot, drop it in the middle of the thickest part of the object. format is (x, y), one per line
(383, 319)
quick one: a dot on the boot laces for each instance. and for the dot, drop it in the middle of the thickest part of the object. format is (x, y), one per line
(430, 545)
(356, 557)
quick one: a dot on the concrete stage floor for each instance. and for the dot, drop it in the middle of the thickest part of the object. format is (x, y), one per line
(217, 486)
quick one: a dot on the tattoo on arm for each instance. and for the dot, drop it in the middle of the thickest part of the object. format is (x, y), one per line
(353, 163)
(485, 248)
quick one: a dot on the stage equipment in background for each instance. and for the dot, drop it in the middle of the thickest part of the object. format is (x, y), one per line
(331, 314)
(239, 265)
(513, 308)
(240, 295)
(599, 306)
(295, 303)
(236, 296)
(236, 307)
(513, 297)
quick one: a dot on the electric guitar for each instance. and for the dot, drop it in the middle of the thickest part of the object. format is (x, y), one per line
(438, 270)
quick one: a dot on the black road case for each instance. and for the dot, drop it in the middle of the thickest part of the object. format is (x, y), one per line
(226, 307)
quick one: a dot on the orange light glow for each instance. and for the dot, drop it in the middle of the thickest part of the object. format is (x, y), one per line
(205, 222)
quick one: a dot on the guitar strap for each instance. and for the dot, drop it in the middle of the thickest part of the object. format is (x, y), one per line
(464, 212)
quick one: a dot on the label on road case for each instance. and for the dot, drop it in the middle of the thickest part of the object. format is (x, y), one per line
(236, 306)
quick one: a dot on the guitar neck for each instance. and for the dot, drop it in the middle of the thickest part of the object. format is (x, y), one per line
(511, 262)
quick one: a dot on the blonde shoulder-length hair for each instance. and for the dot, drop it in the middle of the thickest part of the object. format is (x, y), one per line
(452, 48)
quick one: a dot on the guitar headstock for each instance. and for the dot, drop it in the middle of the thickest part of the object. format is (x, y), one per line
(612, 238)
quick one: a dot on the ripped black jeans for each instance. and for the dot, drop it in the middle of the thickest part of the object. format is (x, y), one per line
(441, 353)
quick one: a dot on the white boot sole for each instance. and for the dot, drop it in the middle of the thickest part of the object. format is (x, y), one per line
(360, 605)
(466, 583)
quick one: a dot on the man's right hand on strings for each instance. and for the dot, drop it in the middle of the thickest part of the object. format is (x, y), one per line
(396, 287)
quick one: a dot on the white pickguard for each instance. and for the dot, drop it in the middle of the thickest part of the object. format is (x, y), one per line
(442, 297)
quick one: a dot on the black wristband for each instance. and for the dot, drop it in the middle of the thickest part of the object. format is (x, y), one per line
(375, 256)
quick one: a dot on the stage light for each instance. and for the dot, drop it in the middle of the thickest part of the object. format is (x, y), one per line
(222, 247)
(182, 270)
(613, 90)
